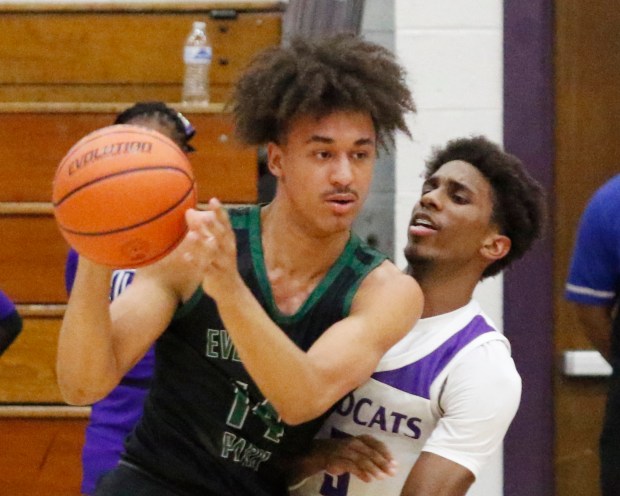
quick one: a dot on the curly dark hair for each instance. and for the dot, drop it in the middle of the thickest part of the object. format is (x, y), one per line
(519, 208)
(342, 72)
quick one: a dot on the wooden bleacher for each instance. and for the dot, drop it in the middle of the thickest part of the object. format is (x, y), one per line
(41, 134)
(66, 69)
(122, 51)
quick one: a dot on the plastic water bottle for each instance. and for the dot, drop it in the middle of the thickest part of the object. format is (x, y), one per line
(197, 54)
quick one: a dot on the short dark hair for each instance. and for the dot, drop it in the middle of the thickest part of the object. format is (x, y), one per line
(183, 129)
(519, 208)
(342, 72)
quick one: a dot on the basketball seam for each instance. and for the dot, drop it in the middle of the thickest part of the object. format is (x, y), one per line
(133, 226)
(120, 173)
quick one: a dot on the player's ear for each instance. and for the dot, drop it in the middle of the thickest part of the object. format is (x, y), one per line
(274, 158)
(495, 246)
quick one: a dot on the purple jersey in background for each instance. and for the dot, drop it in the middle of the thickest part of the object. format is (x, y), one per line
(10, 322)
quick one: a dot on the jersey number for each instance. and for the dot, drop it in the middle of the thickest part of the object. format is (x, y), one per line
(263, 410)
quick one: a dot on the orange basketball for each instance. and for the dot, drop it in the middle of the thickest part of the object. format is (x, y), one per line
(120, 196)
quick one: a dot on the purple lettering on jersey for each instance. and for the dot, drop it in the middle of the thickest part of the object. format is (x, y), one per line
(364, 412)
(417, 377)
(412, 423)
(346, 404)
(379, 419)
(397, 418)
(358, 407)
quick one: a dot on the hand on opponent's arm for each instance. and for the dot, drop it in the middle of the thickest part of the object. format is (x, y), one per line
(301, 385)
(362, 456)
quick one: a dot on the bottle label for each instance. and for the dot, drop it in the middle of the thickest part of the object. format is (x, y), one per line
(197, 55)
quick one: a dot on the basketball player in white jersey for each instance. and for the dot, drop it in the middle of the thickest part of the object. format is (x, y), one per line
(442, 399)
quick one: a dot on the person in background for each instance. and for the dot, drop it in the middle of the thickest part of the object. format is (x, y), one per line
(10, 322)
(441, 400)
(264, 316)
(593, 289)
(114, 417)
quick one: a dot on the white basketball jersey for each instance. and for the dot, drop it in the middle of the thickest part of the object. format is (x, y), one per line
(399, 405)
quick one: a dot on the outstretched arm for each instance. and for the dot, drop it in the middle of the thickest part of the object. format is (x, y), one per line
(99, 342)
(302, 385)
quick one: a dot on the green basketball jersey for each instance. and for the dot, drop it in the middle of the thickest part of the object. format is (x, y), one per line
(206, 428)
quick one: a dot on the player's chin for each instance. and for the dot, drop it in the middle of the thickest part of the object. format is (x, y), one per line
(415, 254)
(342, 223)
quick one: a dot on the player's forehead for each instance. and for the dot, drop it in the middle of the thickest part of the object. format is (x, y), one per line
(461, 174)
(338, 127)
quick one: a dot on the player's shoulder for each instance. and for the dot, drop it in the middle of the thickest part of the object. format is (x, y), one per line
(605, 200)
(490, 366)
(388, 285)
(388, 277)
(483, 385)
(609, 191)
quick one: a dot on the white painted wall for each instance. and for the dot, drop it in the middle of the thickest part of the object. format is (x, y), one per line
(376, 221)
(452, 50)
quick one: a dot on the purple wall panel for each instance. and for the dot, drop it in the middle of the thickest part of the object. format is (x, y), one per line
(528, 311)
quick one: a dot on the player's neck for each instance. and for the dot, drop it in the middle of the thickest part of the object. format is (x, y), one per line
(445, 290)
(290, 246)
(296, 260)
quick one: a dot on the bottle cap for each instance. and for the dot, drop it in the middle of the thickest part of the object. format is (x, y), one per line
(200, 25)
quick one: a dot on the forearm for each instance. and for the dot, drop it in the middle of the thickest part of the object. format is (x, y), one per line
(432, 475)
(86, 365)
(303, 385)
(596, 320)
(281, 370)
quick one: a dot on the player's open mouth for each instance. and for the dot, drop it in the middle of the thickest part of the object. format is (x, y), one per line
(422, 225)
(341, 202)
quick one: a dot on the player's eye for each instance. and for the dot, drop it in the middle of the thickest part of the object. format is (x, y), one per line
(322, 154)
(460, 199)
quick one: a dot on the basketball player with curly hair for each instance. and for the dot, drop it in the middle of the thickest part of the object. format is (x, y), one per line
(441, 399)
(265, 316)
